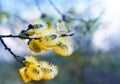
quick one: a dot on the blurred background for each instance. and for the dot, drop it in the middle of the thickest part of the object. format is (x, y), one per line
(96, 42)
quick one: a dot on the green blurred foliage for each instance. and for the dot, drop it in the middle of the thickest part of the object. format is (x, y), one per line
(4, 15)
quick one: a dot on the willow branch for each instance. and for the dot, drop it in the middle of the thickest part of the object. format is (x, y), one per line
(39, 9)
(19, 59)
(28, 37)
(65, 35)
(17, 36)
(37, 5)
(54, 6)
(64, 16)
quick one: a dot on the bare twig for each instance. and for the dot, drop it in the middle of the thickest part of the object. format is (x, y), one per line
(37, 5)
(64, 16)
(50, 1)
(18, 58)
(28, 37)
(17, 36)
(39, 9)
(65, 35)
(20, 18)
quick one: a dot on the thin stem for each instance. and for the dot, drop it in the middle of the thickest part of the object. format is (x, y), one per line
(17, 36)
(27, 37)
(43, 15)
(20, 18)
(37, 5)
(50, 1)
(65, 35)
(19, 59)
(63, 15)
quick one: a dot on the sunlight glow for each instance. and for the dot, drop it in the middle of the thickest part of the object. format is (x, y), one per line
(110, 28)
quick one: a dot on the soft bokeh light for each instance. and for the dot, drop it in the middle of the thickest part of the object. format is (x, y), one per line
(110, 28)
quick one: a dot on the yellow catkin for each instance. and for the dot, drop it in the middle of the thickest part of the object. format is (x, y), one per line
(64, 48)
(38, 26)
(36, 46)
(61, 27)
(35, 31)
(49, 37)
(37, 69)
(23, 75)
(30, 61)
(20, 33)
(34, 73)
(46, 31)
(49, 40)
(49, 70)
(30, 32)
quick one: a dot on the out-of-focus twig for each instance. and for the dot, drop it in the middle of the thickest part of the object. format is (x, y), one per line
(94, 22)
(37, 5)
(21, 19)
(39, 9)
(51, 2)
(64, 16)
(59, 12)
